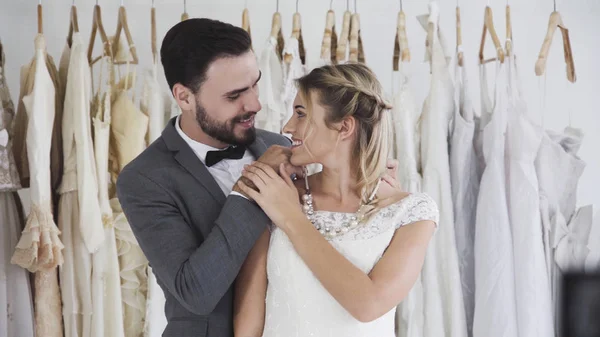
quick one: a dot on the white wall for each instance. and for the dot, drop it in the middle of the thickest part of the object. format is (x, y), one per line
(550, 96)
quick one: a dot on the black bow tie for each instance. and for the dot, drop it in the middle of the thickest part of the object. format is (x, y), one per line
(232, 152)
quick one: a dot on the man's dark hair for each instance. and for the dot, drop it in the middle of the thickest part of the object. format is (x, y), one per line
(192, 45)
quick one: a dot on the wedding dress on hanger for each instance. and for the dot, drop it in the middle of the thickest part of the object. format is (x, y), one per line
(405, 118)
(16, 305)
(128, 131)
(465, 174)
(532, 285)
(444, 310)
(107, 319)
(155, 105)
(80, 219)
(39, 249)
(495, 306)
(270, 89)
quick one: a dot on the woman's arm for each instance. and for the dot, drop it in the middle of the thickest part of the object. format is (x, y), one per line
(251, 290)
(365, 296)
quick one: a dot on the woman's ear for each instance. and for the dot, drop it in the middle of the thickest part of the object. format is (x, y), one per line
(347, 128)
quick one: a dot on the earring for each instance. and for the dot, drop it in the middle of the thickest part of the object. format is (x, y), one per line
(305, 171)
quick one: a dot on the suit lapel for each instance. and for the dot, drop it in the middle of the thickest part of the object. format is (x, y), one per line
(184, 155)
(188, 159)
(258, 147)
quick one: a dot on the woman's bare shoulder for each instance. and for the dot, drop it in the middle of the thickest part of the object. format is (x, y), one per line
(392, 197)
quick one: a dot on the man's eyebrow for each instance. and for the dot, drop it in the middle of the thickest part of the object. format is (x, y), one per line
(241, 90)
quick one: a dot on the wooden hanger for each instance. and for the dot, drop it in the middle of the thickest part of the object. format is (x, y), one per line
(153, 32)
(184, 15)
(401, 50)
(246, 21)
(97, 26)
(508, 44)
(297, 34)
(73, 25)
(354, 29)
(342, 46)
(123, 25)
(329, 43)
(276, 32)
(361, 51)
(540, 65)
(40, 19)
(488, 25)
(459, 38)
(357, 53)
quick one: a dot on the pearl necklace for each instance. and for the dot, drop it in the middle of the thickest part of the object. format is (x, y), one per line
(355, 220)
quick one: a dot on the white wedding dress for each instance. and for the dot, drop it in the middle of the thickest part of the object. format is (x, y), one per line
(298, 305)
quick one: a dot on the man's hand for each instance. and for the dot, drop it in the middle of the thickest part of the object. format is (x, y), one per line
(277, 154)
(274, 156)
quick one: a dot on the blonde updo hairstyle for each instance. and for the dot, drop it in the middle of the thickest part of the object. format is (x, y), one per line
(352, 90)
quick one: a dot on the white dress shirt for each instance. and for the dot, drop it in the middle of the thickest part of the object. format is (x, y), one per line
(227, 171)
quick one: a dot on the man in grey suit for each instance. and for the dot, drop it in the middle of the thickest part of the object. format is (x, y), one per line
(180, 195)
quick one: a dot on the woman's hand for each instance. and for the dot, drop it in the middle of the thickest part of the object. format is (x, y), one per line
(389, 186)
(276, 195)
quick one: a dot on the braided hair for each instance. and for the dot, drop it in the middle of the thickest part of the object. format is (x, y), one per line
(352, 90)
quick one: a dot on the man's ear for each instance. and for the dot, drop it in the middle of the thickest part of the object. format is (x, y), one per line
(184, 97)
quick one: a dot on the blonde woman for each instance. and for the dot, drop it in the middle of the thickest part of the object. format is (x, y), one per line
(344, 249)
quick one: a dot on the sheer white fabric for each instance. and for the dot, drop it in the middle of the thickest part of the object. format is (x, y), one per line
(464, 174)
(291, 71)
(128, 139)
(298, 305)
(405, 117)
(270, 89)
(154, 105)
(558, 170)
(495, 307)
(106, 283)
(80, 219)
(444, 310)
(532, 285)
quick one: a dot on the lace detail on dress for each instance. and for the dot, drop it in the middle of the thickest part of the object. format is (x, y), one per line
(412, 208)
(39, 248)
(297, 304)
(9, 176)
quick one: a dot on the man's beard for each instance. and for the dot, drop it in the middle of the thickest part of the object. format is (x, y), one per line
(225, 131)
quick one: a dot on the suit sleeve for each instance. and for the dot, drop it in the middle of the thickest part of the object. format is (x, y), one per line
(197, 274)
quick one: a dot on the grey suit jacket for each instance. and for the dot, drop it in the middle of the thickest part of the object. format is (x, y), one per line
(194, 236)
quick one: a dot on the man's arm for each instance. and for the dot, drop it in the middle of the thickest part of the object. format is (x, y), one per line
(197, 274)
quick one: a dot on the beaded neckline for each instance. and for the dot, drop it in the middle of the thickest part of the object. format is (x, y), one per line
(356, 218)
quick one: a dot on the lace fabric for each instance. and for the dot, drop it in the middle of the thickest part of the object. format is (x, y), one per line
(9, 176)
(298, 305)
(413, 208)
